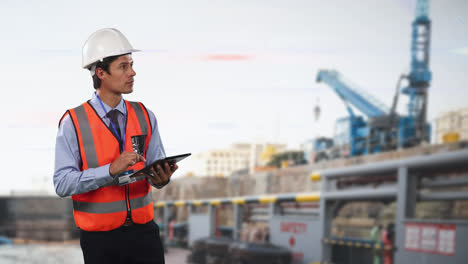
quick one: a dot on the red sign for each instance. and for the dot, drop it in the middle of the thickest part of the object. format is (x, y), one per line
(430, 238)
(446, 245)
(429, 235)
(412, 234)
(293, 227)
(296, 229)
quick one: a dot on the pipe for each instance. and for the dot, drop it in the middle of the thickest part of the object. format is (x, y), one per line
(450, 182)
(423, 161)
(362, 194)
(442, 196)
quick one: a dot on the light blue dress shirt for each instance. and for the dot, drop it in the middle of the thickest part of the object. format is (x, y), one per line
(68, 179)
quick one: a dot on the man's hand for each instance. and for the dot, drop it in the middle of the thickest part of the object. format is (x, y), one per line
(159, 176)
(125, 160)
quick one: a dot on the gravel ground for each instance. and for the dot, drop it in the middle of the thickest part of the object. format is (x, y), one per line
(57, 253)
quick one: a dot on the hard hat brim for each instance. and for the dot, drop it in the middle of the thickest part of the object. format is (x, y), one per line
(86, 66)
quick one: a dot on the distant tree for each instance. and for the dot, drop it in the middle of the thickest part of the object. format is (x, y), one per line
(292, 157)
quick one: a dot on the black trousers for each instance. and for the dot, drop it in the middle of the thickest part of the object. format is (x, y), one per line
(139, 244)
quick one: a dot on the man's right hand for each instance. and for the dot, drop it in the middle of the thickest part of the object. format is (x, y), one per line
(125, 160)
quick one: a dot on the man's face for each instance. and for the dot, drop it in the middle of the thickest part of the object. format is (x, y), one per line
(120, 79)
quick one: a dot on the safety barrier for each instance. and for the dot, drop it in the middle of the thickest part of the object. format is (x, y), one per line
(302, 197)
(352, 242)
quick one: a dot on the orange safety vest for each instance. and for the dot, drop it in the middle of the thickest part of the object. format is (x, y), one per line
(107, 207)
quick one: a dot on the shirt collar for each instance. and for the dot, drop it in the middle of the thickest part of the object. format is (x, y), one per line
(97, 106)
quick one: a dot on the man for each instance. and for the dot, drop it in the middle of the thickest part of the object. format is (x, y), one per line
(375, 237)
(103, 139)
(388, 239)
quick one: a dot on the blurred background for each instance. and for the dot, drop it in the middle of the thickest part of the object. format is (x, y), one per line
(263, 94)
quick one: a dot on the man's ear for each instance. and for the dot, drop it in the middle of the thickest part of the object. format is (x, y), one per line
(100, 73)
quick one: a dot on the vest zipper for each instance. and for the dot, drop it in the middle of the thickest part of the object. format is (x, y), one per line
(127, 202)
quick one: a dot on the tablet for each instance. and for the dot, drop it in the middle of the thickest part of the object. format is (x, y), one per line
(133, 177)
(170, 160)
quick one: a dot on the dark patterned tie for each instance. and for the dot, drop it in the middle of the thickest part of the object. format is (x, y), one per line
(113, 114)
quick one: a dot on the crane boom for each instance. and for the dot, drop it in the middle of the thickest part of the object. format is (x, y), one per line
(350, 93)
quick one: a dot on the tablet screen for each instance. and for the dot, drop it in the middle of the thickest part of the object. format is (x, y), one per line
(170, 160)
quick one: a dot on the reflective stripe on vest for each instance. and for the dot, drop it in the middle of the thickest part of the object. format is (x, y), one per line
(87, 136)
(140, 116)
(112, 207)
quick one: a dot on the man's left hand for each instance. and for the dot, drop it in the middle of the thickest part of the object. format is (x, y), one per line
(159, 176)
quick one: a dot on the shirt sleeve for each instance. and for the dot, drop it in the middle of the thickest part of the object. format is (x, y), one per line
(155, 149)
(68, 178)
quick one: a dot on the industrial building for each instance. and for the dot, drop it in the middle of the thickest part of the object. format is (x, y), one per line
(452, 123)
(240, 156)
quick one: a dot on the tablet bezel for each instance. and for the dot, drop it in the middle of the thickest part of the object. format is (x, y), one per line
(171, 159)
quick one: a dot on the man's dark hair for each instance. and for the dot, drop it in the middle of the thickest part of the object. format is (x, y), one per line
(104, 64)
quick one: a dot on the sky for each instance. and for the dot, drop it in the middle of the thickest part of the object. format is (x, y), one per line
(215, 72)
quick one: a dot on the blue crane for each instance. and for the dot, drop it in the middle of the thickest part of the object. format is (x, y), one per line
(383, 128)
(363, 135)
(415, 128)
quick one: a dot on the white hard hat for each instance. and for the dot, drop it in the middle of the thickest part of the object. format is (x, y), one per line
(104, 43)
